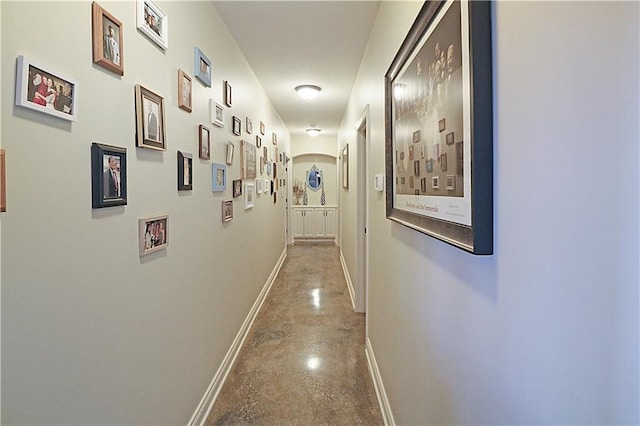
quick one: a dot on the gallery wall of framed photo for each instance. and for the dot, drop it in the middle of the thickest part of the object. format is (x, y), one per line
(143, 265)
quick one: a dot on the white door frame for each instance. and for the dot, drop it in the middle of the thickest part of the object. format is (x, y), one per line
(362, 211)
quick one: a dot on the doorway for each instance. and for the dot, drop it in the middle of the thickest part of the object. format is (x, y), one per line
(362, 212)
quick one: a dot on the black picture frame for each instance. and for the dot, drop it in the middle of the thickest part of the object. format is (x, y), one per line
(108, 188)
(436, 103)
(185, 171)
(237, 126)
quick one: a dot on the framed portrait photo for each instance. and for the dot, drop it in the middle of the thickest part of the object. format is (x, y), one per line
(201, 67)
(249, 195)
(42, 89)
(153, 22)
(153, 233)
(237, 188)
(227, 210)
(217, 113)
(452, 39)
(184, 91)
(230, 150)
(237, 126)
(248, 159)
(204, 142)
(108, 176)
(149, 119)
(218, 177)
(108, 43)
(226, 89)
(185, 171)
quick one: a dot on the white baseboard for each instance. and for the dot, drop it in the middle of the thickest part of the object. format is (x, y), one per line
(387, 415)
(209, 398)
(352, 293)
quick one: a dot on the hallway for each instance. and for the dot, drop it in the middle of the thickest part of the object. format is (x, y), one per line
(303, 361)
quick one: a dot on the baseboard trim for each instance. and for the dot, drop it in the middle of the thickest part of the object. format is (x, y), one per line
(383, 401)
(209, 398)
(352, 293)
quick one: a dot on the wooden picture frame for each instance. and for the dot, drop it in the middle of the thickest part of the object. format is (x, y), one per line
(202, 67)
(262, 128)
(153, 22)
(258, 141)
(248, 127)
(237, 188)
(218, 177)
(345, 166)
(108, 176)
(185, 171)
(150, 130)
(230, 151)
(248, 159)
(3, 181)
(108, 40)
(462, 217)
(274, 138)
(236, 128)
(204, 142)
(249, 195)
(40, 88)
(227, 211)
(227, 93)
(185, 91)
(153, 234)
(217, 113)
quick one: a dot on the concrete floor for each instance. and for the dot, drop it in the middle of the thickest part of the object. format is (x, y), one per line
(303, 361)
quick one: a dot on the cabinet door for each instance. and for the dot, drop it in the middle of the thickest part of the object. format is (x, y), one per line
(319, 220)
(330, 223)
(298, 223)
(309, 223)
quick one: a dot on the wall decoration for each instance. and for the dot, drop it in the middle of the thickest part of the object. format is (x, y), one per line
(450, 139)
(153, 234)
(266, 186)
(237, 188)
(108, 176)
(185, 171)
(249, 126)
(259, 186)
(268, 167)
(262, 162)
(248, 160)
(227, 93)
(443, 162)
(40, 88)
(218, 177)
(262, 128)
(345, 166)
(258, 141)
(265, 153)
(430, 165)
(227, 210)
(458, 102)
(450, 182)
(204, 142)
(237, 125)
(184, 91)
(3, 181)
(201, 67)
(108, 44)
(416, 136)
(274, 138)
(230, 151)
(153, 22)
(149, 119)
(249, 195)
(216, 111)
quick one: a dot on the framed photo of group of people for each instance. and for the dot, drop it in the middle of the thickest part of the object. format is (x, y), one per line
(153, 234)
(153, 22)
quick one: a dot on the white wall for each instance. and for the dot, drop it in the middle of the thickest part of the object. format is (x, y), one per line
(545, 331)
(303, 163)
(91, 332)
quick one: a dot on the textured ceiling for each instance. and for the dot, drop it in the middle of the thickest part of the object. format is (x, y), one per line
(288, 43)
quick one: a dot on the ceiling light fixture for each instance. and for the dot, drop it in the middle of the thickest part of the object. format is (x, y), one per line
(313, 132)
(308, 91)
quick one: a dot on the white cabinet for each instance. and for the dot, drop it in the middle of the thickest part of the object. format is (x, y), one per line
(314, 222)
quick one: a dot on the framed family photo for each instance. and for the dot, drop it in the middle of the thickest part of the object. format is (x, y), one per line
(217, 113)
(153, 22)
(218, 177)
(227, 210)
(149, 119)
(153, 234)
(184, 91)
(185, 171)
(444, 69)
(108, 176)
(108, 43)
(42, 89)
(248, 159)
(201, 67)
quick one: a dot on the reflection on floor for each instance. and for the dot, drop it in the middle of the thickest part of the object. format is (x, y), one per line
(303, 361)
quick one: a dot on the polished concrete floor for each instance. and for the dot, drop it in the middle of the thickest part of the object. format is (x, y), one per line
(303, 362)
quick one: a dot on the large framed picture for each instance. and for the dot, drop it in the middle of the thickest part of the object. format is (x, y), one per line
(153, 234)
(153, 22)
(345, 166)
(217, 113)
(185, 171)
(248, 159)
(440, 82)
(108, 43)
(184, 91)
(202, 67)
(108, 176)
(218, 177)
(40, 88)
(149, 119)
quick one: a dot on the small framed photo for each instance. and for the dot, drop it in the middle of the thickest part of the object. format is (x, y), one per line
(262, 128)
(416, 136)
(40, 88)
(227, 93)
(416, 168)
(201, 67)
(153, 22)
(237, 188)
(402, 155)
(442, 125)
(411, 152)
(153, 234)
(435, 182)
(265, 153)
(249, 195)
(108, 44)
(258, 141)
(227, 210)
(230, 150)
(204, 142)
(185, 171)
(423, 152)
(429, 165)
(237, 126)
(217, 113)
(274, 138)
(450, 139)
(184, 91)
(259, 186)
(218, 177)
(3, 181)
(268, 167)
(450, 182)
(249, 126)
(149, 119)
(262, 165)
(248, 160)
(108, 176)
(443, 162)
(410, 181)
(267, 185)
(423, 184)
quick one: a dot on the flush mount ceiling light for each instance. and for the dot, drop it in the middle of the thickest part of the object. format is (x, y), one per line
(313, 132)
(308, 91)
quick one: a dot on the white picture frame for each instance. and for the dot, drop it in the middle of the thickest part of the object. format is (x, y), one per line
(216, 111)
(249, 195)
(153, 22)
(153, 233)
